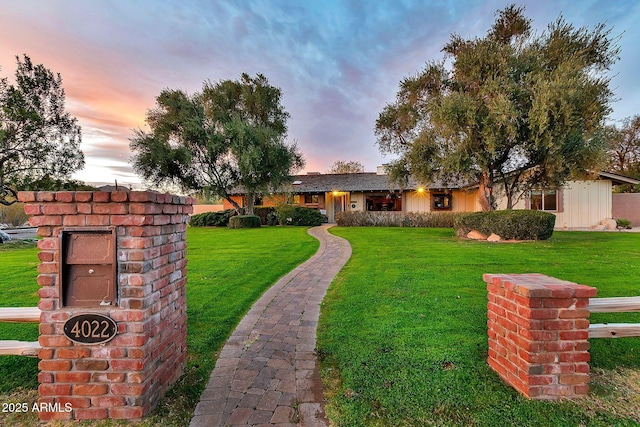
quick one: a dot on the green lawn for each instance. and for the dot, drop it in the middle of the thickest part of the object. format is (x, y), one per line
(228, 270)
(18, 286)
(403, 334)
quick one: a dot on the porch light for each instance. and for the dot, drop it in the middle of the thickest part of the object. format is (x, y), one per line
(336, 192)
(420, 190)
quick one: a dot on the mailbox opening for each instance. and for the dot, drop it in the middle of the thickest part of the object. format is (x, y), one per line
(88, 267)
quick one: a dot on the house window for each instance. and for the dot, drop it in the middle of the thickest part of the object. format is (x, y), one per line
(311, 199)
(544, 200)
(384, 202)
(441, 202)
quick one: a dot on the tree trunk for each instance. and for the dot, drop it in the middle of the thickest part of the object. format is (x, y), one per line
(235, 205)
(485, 193)
(250, 199)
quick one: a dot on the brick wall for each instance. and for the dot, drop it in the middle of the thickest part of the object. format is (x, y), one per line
(125, 377)
(538, 334)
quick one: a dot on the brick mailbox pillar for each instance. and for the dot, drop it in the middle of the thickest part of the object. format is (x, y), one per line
(538, 329)
(109, 256)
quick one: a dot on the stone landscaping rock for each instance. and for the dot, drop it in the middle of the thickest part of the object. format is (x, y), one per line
(609, 224)
(494, 238)
(476, 235)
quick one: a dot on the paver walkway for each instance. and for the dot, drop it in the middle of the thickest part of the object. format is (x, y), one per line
(267, 372)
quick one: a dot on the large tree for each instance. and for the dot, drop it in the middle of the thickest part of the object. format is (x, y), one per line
(624, 151)
(39, 139)
(342, 166)
(230, 134)
(624, 147)
(511, 111)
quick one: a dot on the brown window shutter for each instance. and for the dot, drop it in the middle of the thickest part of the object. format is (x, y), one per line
(560, 201)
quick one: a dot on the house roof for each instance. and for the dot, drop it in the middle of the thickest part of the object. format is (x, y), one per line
(364, 181)
(372, 181)
(618, 179)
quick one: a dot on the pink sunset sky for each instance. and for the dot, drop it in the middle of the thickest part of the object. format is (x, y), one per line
(337, 62)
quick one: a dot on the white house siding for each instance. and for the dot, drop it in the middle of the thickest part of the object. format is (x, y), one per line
(356, 202)
(585, 204)
(466, 201)
(416, 202)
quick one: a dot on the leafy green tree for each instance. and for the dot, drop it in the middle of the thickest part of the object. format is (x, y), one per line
(232, 134)
(341, 166)
(39, 139)
(510, 111)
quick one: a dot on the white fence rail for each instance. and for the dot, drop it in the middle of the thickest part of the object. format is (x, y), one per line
(614, 305)
(19, 314)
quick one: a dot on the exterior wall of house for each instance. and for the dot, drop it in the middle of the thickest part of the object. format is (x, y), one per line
(461, 201)
(584, 204)
(238, 199)
(356, 202)
(416, 202)
(198, 209)
(627, 206)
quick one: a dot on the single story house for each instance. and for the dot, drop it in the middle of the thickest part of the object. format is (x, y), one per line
(578, 204)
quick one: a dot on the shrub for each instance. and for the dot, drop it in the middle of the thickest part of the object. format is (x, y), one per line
(13, 215)
(396, 219)
(263, 212)
(298, 215)
(272, 218)
(212, 219)
(623, 223)
(508, 224)
(244, 221)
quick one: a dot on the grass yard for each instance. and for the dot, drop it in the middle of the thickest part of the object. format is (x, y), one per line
(228, 270)
(403, 339)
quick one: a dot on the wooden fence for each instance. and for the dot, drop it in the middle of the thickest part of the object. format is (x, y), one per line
(596, 330)
(19, 314)
(614, 305)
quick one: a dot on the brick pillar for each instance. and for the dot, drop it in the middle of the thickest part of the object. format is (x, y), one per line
(125, 377)
(538, 329)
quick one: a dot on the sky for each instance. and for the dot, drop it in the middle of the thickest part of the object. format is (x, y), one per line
(338, 63)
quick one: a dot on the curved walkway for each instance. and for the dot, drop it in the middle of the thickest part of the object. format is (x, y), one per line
(267, 372)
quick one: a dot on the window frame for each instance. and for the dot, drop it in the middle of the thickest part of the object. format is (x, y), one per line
(542, 194)
(395, 197)
(443, 199)
(311, 198)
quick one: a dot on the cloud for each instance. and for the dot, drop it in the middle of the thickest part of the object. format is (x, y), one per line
(338, 62)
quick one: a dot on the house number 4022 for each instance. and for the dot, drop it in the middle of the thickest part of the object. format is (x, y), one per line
(90, 328)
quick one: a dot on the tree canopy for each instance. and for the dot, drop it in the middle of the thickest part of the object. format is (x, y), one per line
(624, 149)
(512, 111)
(342, 166)
(230, 134)
(39, 139)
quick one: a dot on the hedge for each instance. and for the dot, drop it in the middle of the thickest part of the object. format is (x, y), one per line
(212, 219)
(298, 215)
(244, 221)
(396, 219)
(265, 213)
(508, 224)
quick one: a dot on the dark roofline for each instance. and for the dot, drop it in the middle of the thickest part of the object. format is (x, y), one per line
(618, 179)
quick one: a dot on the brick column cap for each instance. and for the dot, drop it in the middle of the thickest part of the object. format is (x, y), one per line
(537, 285)
(105, 196)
